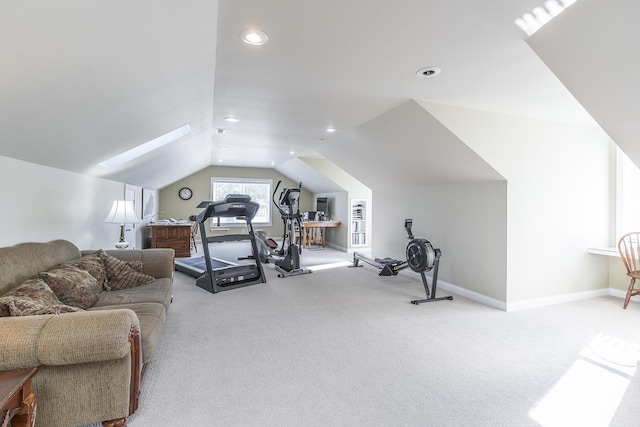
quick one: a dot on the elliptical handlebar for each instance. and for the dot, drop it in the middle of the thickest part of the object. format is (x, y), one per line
(273, 198)
(289, 197)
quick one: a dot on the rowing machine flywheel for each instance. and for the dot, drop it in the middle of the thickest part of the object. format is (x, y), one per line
(420, 255)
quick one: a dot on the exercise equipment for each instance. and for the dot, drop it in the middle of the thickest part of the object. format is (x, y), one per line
(387, 266)
(421, 256)
(267, 247)
(196, 267)
(213, 279)
(289, 209)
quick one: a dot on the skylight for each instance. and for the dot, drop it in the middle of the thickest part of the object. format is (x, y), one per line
(533, 21)
(145, 148)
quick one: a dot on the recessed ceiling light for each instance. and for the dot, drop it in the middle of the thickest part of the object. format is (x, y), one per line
(292, 152)
(330, 129)
(254, 37)
(428, 71)
(232, 119)
(219, 160)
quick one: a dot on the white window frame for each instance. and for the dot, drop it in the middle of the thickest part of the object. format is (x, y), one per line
(262, 218)
(627, 195)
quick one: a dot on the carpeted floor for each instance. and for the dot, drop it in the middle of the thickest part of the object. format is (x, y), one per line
(344, 347)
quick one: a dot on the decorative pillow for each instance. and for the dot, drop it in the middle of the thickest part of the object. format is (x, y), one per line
(136, 265)
(32, 297)
(123, 274)
(73, 286)
(92, 264)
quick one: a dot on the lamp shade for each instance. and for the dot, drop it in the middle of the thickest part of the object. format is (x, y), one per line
(122, 213)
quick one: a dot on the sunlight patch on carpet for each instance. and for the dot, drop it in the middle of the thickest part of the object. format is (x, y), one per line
(590, 391)
(330, 265)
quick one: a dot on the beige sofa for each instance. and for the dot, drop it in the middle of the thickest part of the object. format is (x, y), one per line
(90, 359)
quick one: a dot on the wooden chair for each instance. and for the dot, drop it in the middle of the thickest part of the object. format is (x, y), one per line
(194, 233)
(629, 247)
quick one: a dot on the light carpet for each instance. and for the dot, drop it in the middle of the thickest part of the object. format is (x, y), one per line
(344, 347)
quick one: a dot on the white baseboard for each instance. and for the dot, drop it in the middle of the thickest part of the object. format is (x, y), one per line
(482, 299)
(557, 299)
(442, 285)
(526, 304)
(336, 247)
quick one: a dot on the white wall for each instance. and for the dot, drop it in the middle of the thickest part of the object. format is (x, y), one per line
(558, 197)
(467, 222)
(340, 238)
(338, 211)
(41, 204)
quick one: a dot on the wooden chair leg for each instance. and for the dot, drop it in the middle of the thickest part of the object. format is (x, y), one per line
(629, 291)
(119, 422)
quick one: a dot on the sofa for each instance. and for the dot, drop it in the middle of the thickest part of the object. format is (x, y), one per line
(90, 320)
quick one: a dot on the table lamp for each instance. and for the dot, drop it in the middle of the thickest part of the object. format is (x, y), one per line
(122, 213)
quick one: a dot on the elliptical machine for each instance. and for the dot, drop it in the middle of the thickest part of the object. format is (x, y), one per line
(290, 264)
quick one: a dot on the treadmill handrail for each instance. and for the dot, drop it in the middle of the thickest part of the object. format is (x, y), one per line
(243, 209)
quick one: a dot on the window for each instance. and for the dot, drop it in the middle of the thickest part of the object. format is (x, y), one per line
(627, 195)
(258, 189)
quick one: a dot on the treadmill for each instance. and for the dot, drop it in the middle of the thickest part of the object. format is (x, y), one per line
(229, 277)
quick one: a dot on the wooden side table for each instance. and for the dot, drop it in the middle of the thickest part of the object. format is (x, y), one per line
(315, 231)
(17, 402)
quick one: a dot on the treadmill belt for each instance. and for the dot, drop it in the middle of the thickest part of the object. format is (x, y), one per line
(196, 266)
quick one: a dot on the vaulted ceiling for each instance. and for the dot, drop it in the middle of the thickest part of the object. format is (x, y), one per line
(83, 81)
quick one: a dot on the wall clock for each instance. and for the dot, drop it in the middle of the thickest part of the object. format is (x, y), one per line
(185, 193)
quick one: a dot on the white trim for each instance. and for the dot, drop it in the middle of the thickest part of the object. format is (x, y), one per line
(557, 299)
(466, 293)
(231, 222)
(526, 304)
(622, 294)
(482, 299)
(336, 247)
(601, 250)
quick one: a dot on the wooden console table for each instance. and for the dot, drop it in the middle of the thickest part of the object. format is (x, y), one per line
(314, 231)
(174, 236)
(17, 402)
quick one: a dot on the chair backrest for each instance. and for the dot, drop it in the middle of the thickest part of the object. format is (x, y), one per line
(194, 228)
(629, 248)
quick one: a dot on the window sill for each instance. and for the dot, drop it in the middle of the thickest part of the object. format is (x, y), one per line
(602, 250)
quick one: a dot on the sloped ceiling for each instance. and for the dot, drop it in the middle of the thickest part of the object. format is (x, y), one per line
(594, 49)
(406, 147)
(314, 181)
(83, 81)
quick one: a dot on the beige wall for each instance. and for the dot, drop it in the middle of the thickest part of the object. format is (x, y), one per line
(558, 197)
(200, 183)
(467, 222)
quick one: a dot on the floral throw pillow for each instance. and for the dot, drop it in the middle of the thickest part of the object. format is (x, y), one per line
(123, 274)
(73, 286)
(32, 297)
(92, 264)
